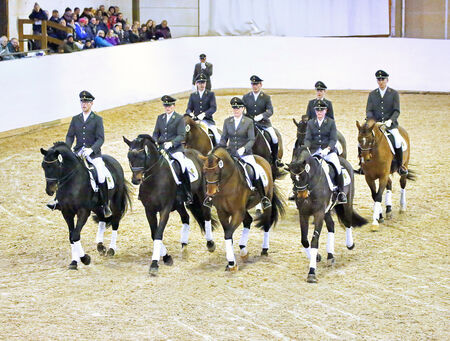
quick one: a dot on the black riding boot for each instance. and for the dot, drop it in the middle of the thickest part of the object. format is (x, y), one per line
(360, 170)
(260, 188)
(186, 183)
(341, 197)
(103, 193)
(275, 160)
(399, 159)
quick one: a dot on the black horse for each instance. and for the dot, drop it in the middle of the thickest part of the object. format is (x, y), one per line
(314, 198)
(158, 193)
(263, 147)
(66, 174)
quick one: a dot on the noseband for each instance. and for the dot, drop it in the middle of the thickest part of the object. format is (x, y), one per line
(137, 169)
(215, 182)
(60, 180)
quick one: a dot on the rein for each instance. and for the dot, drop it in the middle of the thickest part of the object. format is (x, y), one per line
(308, 186)
(61, 181)
(145, 162)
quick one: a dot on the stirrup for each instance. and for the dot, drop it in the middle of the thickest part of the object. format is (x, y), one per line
(265, 202)
(341, 198)
(208, 202)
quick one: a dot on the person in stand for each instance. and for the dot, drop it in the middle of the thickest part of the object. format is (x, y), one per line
(321, 89)
(205, 68)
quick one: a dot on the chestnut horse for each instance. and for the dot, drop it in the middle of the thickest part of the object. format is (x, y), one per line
(232, 197)
(377, 163)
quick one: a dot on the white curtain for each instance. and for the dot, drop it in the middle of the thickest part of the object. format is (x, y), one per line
(304, 18)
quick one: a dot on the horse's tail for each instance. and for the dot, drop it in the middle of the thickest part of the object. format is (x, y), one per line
(124, 202)
(353, 219)
(412, 175)
(197, 212)
(278, 209)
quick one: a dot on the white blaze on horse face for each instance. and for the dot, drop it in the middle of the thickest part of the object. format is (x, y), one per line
(348, 236)
(363, 141)
(297, 177)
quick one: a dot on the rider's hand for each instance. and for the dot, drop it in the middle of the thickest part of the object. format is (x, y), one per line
(259, 117)
(388, 123)
(168, 145)
(201, 116)
(87, 152)
(241, 151)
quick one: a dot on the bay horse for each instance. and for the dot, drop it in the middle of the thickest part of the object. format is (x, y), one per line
(66, 174)
(377, 162)
(158, 194)
(314, 198)
(232, 197)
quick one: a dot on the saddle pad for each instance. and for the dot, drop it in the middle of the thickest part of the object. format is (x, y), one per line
(108, 176)
(258, 171)
(347, 178)
(388, 135)
(193, 173)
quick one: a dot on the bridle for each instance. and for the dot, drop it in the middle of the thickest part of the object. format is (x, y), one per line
(144, 171)
(307, 187)
(217, 166)
(60, 181)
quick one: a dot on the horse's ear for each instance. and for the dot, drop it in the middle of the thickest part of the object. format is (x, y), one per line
(43, 151)
(305, 118)
(203, 158)
(371, 124)
(358, 125)
(128, 142)
(295, 122)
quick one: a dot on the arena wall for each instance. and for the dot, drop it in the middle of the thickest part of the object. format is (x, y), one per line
(45, 89)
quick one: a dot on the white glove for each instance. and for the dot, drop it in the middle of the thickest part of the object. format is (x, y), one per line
(259, 117)
(167, 145)
(190, 114)
(388, 123)
(86, 152)
(241, 151)
(324, 152)
(203, 66)
(201, 116)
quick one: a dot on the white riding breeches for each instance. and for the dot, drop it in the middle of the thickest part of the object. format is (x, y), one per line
(181, 158)
(272, 134)
(397, 137)
(100, 167)
(251, 160)
(213, 129)
(333, 158)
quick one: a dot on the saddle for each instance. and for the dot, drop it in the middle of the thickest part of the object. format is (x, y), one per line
(331, 173)
(208, 132)
(93, 176)
(266, 137)
(391, 141)
(175, 168)
(249, 172)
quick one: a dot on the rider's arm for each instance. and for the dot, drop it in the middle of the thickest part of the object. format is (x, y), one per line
(190, 106)
(251, 138)
(224, 137)
(395, 108)
(70, 134)
(333, 135)
(181, 133)
(308, 137)
(330, 111)
(269, 107)
(156, 132)
(212, 106)
(99, 135)
(369, 107)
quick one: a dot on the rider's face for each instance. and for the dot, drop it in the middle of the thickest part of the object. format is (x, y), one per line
(382, 82)
(86, 106)
(237, 112)
(320, 93)
(169, 108)
(321, 113)
(201, 86)
(256, 86)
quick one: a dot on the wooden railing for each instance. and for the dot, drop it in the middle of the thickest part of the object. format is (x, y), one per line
(44, 38)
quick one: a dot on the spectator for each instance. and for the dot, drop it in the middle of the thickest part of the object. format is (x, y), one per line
(88, 45)
(77, 12)
(101, 8)
(100, 39)
(91, 28)
(144, 36)
(103, 25)
(55, 16)
(120, 34)
(112, 38)
(111, 10)
(80, 29)
(138, 25)
(126, 34)
(134, 34)
(68, 15)
(86, 14)
(75, 17)
(120, 19)
(58, 34)
(61, 48)
(37, 15)
(3, 44)
(163, 31)
(151, 29)
(69, 45)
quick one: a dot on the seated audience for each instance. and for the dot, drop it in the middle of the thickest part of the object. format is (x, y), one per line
(100, 40)
(134, 34)
(80, 29)
(12, 47)
(112, 38)
(120, 19)
(68, 15)
(91, 29)
(163, 31)
(88, 45)
(144, 36)
(151, 28)
(69, 45)
(103, 25)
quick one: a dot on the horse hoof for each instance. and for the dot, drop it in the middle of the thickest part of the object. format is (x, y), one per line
(153, 271)
(402, 209)
(211, 245)
(232, 268)
(168, 260)
(331, 261)
(381, 220)
(311, 278)
(265, 252)
(184, 251)
(351, 247)
(244, 254)
(111, 252)
(73, 265)
(318, 258)
(86, 259)
(101, 249)
(375, 227)
(389, 215)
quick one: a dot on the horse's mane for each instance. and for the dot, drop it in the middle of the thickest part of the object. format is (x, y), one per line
(189, 120)
(60, 144)
(146, 136)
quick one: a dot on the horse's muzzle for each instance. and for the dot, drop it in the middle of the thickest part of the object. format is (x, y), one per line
(136, 179)
(51, 188)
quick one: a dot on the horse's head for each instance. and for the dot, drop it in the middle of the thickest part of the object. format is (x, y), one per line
(366, 139)
(53, 168)
(299, 170)
(213, 165)
(142, 153)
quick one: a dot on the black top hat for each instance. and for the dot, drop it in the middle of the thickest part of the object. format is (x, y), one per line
(168, 100)
(381, 74)
(236, 102)
(86, 96)
(255, 79)
(320, 85)
(320, 105)
(201, 78)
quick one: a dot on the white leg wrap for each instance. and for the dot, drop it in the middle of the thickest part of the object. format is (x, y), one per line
(75, 255)
(163, 249)
(265, 243)
(100, 232)
(184, 234)
(376, 210)
(79, 248)
(330, 242)
(230, 252)
(157, 243)
(208, 230)
(403, 197)
(244, 237)
(388, 198)
(307, 252)
(313, 259)
(348, 236)
(112, 243)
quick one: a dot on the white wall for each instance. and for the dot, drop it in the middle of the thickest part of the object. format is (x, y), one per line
(21, 9)
(46, 88)
(181, 15)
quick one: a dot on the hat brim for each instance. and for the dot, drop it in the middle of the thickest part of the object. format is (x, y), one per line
(320, 88)
(200, 81)
(320, 108)
(167, 104)
(87, 99)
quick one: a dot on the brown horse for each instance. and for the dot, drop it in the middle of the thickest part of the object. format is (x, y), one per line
(232, 197)
(377, 163)
(196, 138)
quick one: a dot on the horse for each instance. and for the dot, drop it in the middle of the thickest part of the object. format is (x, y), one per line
(227, 186)
(158, 194)
(196, 137)
(314, 198)
(377, 163)
(66, 174)
(263, 147)
(301, 133)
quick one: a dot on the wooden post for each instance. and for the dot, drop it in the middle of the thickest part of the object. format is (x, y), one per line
(44, 34)
(136, 11)
(20, 32)
(4, 22)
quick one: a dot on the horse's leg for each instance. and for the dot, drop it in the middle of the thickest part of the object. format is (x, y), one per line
(318, 222)
(184, 240)
(304, 222)
(228, 236)
(208, 230)
(388, 199)
(158, 246)
(378, 211)
(68, 217)
(113, 243)
(82, 216)
(244, 237)
(403, 193)
(330, 239)
(376, 203)
(99, 238)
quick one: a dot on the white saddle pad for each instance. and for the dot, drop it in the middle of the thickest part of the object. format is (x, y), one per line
(259, 171)
(403, 142)
(193, 173)
(109, 180)
(326, 168)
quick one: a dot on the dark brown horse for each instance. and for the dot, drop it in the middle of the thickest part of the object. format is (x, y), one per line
(377, 163)
(232, 197)
(196, 137)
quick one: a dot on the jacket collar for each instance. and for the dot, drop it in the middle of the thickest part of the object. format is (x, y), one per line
(90, 117)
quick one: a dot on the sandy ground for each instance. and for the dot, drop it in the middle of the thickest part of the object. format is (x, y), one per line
(393, 286)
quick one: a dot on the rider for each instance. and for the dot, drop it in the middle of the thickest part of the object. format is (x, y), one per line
(259, 108)
(87, 127)
(169, 133)
(202, 105)
(239, 133)
(321, 89)
(383, 105)
(321, 138)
